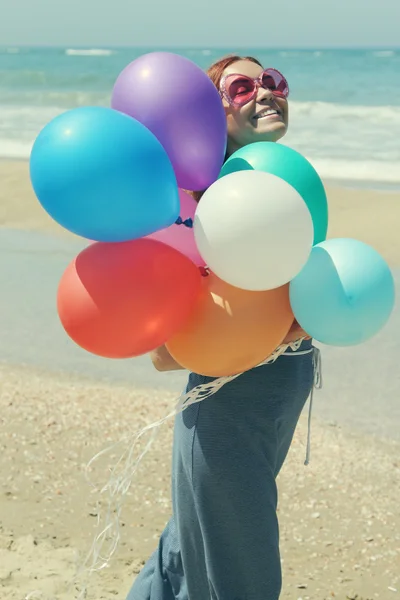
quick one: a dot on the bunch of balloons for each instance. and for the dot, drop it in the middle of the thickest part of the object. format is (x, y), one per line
(114, 176)
(263, 225)
(120, 177)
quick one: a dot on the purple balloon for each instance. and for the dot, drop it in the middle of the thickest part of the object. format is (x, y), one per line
(177, 101)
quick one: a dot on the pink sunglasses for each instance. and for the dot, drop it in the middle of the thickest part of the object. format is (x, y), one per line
(238, 89)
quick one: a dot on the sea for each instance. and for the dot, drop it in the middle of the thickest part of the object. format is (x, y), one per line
(344, 104)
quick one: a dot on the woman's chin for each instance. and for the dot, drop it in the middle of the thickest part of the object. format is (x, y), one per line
(272, 134)
(269, 132)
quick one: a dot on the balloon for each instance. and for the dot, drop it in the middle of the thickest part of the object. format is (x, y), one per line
(124, 300)
(345, 293)
(178, 102)
(231, 330)
(103, 175)
(292, 167)
(253, 230)
(180, 236)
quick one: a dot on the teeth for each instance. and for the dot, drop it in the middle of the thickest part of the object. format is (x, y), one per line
(264, 113)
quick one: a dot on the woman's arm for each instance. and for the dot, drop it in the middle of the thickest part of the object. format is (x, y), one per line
(163, 361)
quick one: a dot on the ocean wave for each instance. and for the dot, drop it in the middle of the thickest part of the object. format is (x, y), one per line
(347, 133)
(14, 116)
(373, 172)
(15, 149)
(27, 85)
(90, 52)
(334, 112)
(296, 53)
(16, 100)
(357, 171)
(343, 142)
(289, 53)
(384, 53)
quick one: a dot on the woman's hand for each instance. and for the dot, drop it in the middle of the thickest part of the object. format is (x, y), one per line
(163, 361)
(295, 333)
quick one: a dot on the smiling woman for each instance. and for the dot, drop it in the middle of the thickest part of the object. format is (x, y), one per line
(254, 99)
(255, 102)
(223, 538)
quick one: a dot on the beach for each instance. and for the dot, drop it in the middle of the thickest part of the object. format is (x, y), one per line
(339, 516)
(368, 215)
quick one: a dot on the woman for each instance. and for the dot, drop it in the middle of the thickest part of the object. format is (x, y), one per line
(223, 539)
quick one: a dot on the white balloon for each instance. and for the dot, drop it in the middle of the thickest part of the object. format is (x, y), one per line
(253, 230)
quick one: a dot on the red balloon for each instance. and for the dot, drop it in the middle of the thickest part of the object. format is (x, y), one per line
(121, 300)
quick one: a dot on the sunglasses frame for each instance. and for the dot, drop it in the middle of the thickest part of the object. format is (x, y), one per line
(257, 84)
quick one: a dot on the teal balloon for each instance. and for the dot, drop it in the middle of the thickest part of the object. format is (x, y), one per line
(290, 165)
(345, 293)
(103, 175)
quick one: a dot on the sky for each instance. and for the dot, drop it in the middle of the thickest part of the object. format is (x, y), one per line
(200, 23)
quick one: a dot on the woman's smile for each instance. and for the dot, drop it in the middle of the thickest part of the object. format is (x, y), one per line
(269, 113)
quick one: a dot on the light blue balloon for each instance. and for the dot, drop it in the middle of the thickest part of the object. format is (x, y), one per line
(345, 294)
(295, 169)
(104, 176)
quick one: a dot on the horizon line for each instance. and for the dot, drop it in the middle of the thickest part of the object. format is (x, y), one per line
(198, 47)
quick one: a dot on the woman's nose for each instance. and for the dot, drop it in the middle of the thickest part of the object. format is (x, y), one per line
(264, 94)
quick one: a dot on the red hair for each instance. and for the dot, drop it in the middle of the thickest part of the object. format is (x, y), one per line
(217, 69)
(215, 73)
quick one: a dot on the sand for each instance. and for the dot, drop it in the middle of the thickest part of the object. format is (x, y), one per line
(340, 523)
(340, 516)
(367, 215)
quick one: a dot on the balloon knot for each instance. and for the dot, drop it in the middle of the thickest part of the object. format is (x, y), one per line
(204, 271)
(186, 222)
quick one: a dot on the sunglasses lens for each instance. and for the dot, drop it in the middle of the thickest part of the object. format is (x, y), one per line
(239, 89)
(275, 82)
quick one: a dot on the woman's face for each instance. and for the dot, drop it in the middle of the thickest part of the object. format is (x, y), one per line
(247, 124)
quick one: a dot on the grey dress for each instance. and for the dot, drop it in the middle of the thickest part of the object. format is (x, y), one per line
(222, 542)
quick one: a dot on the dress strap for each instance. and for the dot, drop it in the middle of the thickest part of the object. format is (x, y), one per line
(317, 384)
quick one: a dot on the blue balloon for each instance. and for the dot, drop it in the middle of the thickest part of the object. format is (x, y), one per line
(345, 294)
(104, 176)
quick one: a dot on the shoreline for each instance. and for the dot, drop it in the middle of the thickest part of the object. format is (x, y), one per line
(381, 187)
(351, 184)
(361, 213)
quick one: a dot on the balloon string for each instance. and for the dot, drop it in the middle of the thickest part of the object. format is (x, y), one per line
(204, 271)
(186, 222)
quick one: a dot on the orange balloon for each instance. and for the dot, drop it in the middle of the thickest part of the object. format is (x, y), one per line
(231, 330)
(120, 300)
